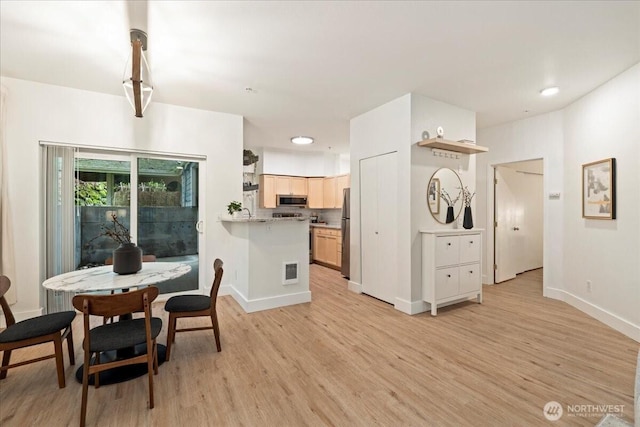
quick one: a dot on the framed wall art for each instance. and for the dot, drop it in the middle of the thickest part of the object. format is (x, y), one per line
(599, 189)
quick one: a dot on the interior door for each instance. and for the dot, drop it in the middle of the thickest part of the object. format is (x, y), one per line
(506, 228)
(369, 224)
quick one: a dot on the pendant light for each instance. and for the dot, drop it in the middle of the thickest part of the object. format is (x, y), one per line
(137, 76)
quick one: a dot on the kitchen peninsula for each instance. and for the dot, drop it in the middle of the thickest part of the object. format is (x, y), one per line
(271, 261)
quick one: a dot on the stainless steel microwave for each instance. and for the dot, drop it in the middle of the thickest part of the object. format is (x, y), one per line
(289, 200)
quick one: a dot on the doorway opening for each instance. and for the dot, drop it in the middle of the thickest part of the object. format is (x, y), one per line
(518, 218)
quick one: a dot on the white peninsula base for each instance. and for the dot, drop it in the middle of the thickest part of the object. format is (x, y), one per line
(270, 262)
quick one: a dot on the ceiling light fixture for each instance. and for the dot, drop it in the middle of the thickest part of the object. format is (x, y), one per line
(550, 91)
(302, 140)
(137, 76)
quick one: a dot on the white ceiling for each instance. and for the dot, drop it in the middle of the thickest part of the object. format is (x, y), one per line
(315, 65)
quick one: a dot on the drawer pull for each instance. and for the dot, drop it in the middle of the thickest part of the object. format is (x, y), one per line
(449, 244)
(470, 271)
(448, 275)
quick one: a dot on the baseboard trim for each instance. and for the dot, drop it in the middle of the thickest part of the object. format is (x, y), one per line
(411, 307)
(354, 287)
(259, 304)
(612, 320)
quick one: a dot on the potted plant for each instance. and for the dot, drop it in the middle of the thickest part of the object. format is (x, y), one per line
(127, 257)
(234, 207)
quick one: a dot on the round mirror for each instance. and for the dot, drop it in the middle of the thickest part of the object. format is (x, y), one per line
(444, 196)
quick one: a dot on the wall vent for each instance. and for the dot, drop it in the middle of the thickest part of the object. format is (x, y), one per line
(290, 273)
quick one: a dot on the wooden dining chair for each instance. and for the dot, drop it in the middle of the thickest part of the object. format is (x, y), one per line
(54, 327)
(195, 306)
(118, 335)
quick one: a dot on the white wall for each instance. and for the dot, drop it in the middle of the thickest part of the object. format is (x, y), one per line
(38, 112)
(602, 124)
(397, 127)
(539, 137)
(299, 163)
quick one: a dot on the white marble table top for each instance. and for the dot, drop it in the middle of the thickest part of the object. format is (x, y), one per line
(104, 279)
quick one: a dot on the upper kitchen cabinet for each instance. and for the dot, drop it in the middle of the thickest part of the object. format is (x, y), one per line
(292, 185)
(315, 195)
(329, 192)
(342, 182)
(267, 191)
(272, 185)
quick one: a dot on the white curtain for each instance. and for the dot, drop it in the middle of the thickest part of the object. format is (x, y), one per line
(7, 256)
(59, 202)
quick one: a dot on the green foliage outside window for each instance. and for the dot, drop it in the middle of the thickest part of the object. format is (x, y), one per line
(91, 194)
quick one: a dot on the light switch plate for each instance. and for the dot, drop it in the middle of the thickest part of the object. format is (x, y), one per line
(554, 196)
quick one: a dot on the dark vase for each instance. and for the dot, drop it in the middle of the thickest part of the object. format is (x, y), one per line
(468, 218)
(450, 218)
(127, 259)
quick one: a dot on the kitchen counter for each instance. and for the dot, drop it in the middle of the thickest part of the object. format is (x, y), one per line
(254, 219)
(332, 226)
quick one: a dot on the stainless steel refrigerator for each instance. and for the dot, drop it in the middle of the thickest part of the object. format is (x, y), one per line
(346, 229)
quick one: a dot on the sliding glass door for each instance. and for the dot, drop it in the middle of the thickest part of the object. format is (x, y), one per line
(156, 198)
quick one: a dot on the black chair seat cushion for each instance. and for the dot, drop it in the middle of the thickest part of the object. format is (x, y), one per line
(187, 303)
(37, 326)
(123, 334)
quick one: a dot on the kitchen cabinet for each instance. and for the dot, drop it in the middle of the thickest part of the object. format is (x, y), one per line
(315, 195)
(329, 192)
(379, 226)
(272, 185)
(342, 182)
(327, 247)
(451, 266)
(267, 191)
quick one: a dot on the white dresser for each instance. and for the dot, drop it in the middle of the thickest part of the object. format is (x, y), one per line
(451, 266)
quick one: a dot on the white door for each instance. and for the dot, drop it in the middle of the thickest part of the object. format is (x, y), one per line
(378, 188)
(369, 224)
(506, 211)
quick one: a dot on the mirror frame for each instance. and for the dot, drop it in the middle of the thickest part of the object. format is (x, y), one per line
(433, 196)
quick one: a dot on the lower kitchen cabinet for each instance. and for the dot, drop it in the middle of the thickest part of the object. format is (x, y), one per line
(327, 247)
(451, 266)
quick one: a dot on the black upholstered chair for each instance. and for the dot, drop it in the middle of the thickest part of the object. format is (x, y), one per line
(195, 306)
(54, 327)
(118, 335)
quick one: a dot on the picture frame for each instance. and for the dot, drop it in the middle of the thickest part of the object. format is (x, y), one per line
(599, 189)
(433, 195)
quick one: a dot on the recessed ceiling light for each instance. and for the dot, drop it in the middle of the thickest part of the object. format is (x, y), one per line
(302, 140)
(550, 91)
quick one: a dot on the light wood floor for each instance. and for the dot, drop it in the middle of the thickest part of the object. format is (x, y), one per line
(351, 360)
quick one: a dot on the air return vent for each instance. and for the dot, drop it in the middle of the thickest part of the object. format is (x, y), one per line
(290, 273)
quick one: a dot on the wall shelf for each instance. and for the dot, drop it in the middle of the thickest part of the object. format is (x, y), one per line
(458, 147)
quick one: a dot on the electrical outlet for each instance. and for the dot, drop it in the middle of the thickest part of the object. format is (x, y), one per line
(588, 285)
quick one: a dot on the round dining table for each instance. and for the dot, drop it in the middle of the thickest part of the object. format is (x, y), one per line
(103, 278)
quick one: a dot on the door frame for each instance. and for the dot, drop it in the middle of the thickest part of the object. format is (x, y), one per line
(491, 212)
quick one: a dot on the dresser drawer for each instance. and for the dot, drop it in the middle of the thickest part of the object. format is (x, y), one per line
(446, 282)
(470, 280)
(469, 248)
(446, 251)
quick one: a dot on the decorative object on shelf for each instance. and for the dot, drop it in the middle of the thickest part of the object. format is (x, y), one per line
(599, 189)
(248, 158)
(234, 208)
(138, 86)
(425, 134)
(467, 196)
(127, 258)
(440, 132)
(444, 195)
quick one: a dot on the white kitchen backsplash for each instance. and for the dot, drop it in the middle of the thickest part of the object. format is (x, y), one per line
(330, 216)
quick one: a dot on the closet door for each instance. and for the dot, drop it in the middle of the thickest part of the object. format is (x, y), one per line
(378, 221)
(369, 224)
